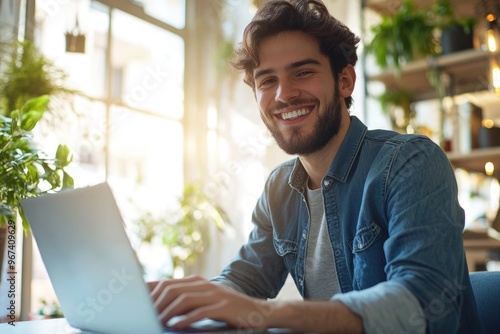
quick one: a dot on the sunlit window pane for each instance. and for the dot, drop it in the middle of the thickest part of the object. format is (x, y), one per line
(145, 160)
(148, 66)
(169, 11)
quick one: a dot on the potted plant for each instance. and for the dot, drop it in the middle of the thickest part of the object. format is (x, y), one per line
(402, 37)
(455, 34)
(397, 104)
(25, 171)
(186, 231)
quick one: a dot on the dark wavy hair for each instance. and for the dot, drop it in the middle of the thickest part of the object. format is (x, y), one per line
(336, 41)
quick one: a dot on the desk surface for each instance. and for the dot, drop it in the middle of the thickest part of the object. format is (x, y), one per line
(52, 326)
(60, 326)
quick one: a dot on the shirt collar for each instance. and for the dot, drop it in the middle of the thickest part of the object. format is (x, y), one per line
(343, 161)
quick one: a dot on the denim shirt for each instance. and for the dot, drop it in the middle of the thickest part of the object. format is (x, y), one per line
(395, 226)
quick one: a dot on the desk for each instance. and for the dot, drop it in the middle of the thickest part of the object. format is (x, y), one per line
(60, 326)
(51, 326)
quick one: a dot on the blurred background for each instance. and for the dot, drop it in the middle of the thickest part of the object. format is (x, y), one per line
(148, 102)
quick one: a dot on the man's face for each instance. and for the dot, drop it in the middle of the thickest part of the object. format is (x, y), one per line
(296, 92)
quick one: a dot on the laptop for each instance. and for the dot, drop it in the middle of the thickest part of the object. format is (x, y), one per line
(94, 270)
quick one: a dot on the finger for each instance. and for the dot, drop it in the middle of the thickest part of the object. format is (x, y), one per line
(151, 285)
(171, 293)
(193, 307)
(157, 287)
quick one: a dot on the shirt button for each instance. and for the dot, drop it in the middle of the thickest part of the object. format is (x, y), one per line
(304, 235)
(326, 183)
(300, 282)
(360, 245)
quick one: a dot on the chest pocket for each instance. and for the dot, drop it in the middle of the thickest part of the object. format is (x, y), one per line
(365, 237)
(368, 256)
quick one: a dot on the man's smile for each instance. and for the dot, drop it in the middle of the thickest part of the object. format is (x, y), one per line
(295, 113)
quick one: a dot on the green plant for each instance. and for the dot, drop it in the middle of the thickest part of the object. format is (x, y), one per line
(393, 101)
(443, 16)
(26, 73)
(25, 171)
(186, 231)
(402, 37)
(50, 310)
(455, 34)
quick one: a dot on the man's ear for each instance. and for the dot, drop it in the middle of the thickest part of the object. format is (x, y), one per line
(347, 80)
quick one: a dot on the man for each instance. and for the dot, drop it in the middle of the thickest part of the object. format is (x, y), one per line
(366, 222)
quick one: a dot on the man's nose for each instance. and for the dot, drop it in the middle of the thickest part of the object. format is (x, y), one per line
(286, 91)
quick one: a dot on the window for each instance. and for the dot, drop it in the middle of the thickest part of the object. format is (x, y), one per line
(125, 123)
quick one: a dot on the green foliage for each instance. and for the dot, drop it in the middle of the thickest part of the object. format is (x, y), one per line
(50, 310)
(26, 73)
(25, 171)
(185, 232)
(392, 99)
(403, 37)
(444, 16)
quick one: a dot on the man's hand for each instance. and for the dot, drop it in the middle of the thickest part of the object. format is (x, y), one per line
(195, 298)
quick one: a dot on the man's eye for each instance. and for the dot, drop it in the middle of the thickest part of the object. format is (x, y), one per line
(266, 82)
(303, 73)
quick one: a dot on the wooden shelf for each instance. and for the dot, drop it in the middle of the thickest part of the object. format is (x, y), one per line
(476, 159)
(468, 71)
(461, 8)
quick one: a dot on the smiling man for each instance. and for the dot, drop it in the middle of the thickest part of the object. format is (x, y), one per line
(366, 222)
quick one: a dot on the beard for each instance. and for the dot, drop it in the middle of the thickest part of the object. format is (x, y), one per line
(327, 127)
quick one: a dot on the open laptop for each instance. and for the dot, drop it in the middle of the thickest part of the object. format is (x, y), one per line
(92, 265)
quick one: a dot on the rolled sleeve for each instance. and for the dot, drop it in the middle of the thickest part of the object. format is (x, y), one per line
(388, 307)
(220, 280)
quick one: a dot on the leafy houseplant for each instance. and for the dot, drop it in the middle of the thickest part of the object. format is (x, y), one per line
(403, 37)
(185, 232)
(397, 103)
(456, 34)
(25, 171)
(26, 73)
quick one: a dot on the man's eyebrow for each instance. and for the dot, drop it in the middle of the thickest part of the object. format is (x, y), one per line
(288, 67)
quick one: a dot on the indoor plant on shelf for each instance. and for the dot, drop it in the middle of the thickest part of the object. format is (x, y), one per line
(402, 37)
(397, 104)
(455, 34)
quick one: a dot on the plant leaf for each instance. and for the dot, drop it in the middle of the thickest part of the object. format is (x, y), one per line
(63, 156)
(32, 111)
(68, 181)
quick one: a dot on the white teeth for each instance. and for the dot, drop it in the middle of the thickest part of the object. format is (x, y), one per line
(294, 114)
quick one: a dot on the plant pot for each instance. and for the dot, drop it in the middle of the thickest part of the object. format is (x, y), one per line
(456, 38)
(75, 43)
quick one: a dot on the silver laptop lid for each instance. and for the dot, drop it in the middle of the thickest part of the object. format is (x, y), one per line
(93, 268)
